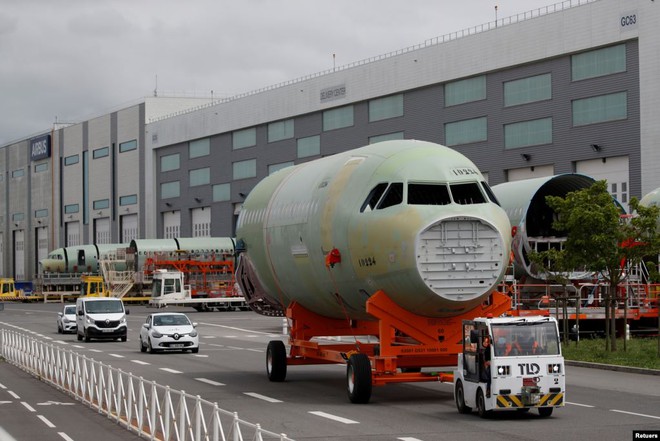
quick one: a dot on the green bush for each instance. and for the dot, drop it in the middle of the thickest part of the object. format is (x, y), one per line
(641, 352)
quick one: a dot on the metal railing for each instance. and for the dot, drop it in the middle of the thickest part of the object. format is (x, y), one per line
(150, 410)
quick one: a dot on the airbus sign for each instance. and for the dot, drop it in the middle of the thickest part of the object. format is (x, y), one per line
(40, 148)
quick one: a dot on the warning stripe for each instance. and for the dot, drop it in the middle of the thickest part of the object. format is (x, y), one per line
(515, 401)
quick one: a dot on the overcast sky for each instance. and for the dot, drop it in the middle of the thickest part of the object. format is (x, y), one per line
(70, 60)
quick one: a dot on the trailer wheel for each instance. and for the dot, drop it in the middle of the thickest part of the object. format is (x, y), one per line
(545, 412)
(358, 378)
(481, 405)
(276, 361)
(459, 395)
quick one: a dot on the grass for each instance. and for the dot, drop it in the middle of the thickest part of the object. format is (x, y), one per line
(641, 352)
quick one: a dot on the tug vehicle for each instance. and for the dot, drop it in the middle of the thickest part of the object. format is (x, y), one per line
(521, 369)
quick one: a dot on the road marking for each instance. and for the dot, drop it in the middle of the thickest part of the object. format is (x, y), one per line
(209, 336)
(2, 386)
(254, 350)
(80, 347)
(211, 382)
(249, 331)
(171, 371)
(95, 350)
(62, 342)
(578, 404)
(201, 355)
(46, 422)
(57, 403)
(65, 436)
(262, 397)
(13, 394)
(116, 355)
(407, 438)
(235, 347)
(5, 402)
(143, 363)
(636, 414)
(333, 417)
(28, 407)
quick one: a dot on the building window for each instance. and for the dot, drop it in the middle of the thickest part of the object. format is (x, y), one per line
(605, 61)
(127, 146)
(18, 173)
(245, 169)
(41, 213)
(169, 190)
(200, 147)
(600, 109)
(70, 160)
(101, 153)
(131, 199)
(244, 138)
(338, 118)
(101, 204)
(221, 192)
(387, 107)
(17, 217)
(272, 168)
(309, 146)
(169, 162)
(465, 91)
(386, 137)
(467, 131)
(38, 168)
(527, 133)
(71, 208)
(280, 130)
(528, 90)
(200, 176)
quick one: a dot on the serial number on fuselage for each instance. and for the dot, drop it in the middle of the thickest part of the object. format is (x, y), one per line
(367, 261)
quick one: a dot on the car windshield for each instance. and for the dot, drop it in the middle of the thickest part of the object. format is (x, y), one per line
(101, 306)
(69, 310)
(171, 320)
(514, 339)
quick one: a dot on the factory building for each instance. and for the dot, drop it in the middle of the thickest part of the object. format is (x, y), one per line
(567, 88)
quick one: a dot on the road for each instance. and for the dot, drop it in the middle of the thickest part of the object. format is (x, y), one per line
(312, 403)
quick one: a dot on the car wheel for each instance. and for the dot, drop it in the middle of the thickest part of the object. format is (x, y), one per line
(87, 337)
(79, 337)
(142, 347)
(59, 329)
(545, 412)
(481, 405)
(358, 378)
(124, 338)
(460, 399)
(151, 348)
(195, 350)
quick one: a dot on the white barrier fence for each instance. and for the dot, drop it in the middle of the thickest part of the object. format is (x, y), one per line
(144, 407)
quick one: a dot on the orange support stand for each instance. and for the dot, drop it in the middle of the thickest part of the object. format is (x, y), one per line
(404, 342)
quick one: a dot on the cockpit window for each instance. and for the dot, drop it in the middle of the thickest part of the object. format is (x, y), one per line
(393, 196)
(373, 198)
(467, 193)
(490, 193)
(428, 194)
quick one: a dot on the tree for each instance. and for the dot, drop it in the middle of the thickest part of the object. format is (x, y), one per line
(602, 241)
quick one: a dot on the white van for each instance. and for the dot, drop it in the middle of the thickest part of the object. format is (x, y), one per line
(101, 318)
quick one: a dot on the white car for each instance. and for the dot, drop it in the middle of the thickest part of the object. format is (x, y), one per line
(66, 319)
(168, 331)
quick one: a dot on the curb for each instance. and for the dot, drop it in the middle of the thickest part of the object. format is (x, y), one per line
(612, 367)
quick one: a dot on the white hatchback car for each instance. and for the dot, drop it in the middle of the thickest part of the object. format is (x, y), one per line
(66, 319)
(168, 331)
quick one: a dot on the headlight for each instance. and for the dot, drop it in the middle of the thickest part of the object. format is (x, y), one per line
(503, 370)
(89, 321)
(193, 334)
(122, 321)
(554, 368)
(156, 334)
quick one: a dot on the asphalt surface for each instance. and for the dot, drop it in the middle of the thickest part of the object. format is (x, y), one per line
(312, 403)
